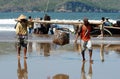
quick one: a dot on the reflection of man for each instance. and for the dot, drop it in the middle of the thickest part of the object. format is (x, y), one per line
(77, 47)
(30, 49)
(61, 76)
(22, 72)
(102, 52)
(46, 48)
(43, 48)
(83, 75)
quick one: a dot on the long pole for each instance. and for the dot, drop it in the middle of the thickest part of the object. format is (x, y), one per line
(47, 6)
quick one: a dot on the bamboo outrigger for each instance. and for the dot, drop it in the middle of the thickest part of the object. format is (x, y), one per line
(71, 22)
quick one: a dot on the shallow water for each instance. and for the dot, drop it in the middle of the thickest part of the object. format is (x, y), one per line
(47, 60)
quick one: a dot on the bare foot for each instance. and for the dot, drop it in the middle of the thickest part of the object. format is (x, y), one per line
(25, 57)
(83, 60)
(75, 41)
(18, 56)
(91, 61)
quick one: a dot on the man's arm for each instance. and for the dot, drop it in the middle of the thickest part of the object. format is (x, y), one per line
(17, 28)
(78, 32)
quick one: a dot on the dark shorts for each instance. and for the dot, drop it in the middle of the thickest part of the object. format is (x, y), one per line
(22, 41)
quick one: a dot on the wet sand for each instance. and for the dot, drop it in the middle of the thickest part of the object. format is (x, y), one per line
(49, 61)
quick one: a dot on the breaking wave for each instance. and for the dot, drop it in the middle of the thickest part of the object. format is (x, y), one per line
(8, 24)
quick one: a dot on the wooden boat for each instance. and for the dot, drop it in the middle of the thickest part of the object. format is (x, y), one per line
(109, 30)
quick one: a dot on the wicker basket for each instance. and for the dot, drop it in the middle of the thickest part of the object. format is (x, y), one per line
(61, 37)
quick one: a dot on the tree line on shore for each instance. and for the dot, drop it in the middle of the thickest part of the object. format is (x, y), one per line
(59, 5)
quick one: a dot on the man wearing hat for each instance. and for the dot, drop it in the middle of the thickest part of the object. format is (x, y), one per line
(22, 34)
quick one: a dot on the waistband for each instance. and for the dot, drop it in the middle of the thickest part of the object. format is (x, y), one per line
(22, 36)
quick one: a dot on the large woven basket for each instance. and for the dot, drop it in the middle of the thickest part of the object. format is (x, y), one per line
(61, 37)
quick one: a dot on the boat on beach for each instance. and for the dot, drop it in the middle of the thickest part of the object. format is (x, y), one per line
(108, 30)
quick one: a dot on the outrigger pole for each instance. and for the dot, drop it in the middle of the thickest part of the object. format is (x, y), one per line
(71, 22)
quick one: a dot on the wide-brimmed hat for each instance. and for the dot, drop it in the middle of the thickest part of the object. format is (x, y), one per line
(21, 17)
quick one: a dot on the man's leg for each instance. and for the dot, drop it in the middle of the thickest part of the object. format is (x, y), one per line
(89, 46)
(25, 46)
(18, 50)
(25, 52)
(90, 54)
(83, 55)
(83, 43)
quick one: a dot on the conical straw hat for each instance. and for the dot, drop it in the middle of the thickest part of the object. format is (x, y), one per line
(21, 17)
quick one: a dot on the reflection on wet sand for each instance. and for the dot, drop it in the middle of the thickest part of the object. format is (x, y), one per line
(102, 52)
(41, 48)
(62, 59)
(112, 47)
(77, 47)
(105, 48)
(61, 76)
(83, 74)
(22, 71)
(30, 49)
(46, 48)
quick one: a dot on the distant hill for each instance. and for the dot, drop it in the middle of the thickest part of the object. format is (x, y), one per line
(60, 5)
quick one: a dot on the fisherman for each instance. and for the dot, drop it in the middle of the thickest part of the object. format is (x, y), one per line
(22, 34)
(47, 26)
(107, 22)
(84, 33)
(101, 27)
(30, 24)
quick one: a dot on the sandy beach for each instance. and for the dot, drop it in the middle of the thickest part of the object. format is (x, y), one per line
(47, 60)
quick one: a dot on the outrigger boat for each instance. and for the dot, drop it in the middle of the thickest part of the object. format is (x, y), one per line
(109, 30)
